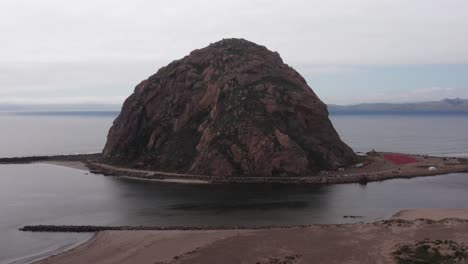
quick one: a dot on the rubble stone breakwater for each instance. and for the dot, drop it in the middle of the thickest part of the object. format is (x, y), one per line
(93, 229)
(33, 159)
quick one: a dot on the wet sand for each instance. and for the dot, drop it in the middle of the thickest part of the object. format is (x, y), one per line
(140, 246)
(79, 165)
(349, 243)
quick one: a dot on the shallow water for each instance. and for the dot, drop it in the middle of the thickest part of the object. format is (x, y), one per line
(48, 194)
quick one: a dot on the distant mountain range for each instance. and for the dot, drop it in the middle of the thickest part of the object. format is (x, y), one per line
(456, 105)
(59, 107)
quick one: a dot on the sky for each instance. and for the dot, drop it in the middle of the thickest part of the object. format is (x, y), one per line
(349, 51)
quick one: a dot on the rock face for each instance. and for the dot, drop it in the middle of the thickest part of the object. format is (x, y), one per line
(230, 109)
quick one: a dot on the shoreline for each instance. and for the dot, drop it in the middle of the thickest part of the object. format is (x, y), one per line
(263, 245)
(373, 168)
(78, 165)
(43, 255)
(331, 177)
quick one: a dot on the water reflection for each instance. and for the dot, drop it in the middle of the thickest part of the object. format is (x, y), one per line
(252, 204)
(47, 194)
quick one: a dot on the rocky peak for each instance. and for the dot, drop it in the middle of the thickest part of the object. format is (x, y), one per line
(230, 109)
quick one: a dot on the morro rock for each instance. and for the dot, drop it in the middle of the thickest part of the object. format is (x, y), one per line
(230, 109)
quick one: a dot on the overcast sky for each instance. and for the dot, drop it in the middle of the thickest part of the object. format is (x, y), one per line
(56, 51)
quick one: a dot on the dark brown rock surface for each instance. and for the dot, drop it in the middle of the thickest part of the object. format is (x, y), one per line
(230, 109)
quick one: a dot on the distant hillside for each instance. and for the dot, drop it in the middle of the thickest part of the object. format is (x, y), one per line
(12, 107)
(58, 107)
(456, 105)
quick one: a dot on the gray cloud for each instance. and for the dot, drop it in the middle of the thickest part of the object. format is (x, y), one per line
(92, 48)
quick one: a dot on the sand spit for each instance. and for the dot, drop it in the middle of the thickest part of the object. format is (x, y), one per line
(79, 165)
(55, 158)
(349, 243)
(374, 167)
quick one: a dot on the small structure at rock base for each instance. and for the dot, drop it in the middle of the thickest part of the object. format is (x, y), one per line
(359, 165)
(372, 153)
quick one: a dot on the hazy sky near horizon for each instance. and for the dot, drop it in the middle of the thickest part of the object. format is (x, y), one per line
(349, 51)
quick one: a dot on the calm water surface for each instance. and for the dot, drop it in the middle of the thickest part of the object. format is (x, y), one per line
(420, 134)
(48, 194)
(28, 135)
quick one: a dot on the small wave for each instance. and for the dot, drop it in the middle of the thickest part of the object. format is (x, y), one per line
(47, 253)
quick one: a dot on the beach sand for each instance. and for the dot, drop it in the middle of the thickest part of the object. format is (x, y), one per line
(140, 246)
(79, 165)
(69, 164)
(349, 243)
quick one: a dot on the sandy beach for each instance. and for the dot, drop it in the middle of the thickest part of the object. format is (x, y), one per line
(79, 165)
(347, 243)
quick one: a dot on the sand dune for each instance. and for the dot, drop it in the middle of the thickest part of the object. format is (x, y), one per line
(433, 214)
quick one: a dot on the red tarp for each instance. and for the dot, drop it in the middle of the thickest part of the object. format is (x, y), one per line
(399, 159)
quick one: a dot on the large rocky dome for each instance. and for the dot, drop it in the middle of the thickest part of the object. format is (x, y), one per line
(230, 109)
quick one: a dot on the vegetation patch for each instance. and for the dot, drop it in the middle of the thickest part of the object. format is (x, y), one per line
(431, 252)
(285, 260)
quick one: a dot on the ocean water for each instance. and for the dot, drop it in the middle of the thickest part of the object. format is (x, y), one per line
(52, 133)
(443, 134)
(49, 194)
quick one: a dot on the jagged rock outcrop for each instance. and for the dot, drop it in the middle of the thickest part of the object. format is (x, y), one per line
(230, 109)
